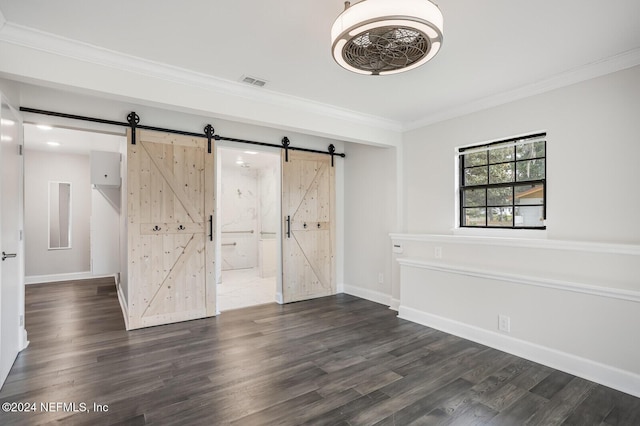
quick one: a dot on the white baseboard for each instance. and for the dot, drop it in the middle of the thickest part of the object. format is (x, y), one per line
(624, 381)
(52, 278)
(123, 306)
(279, 298)
(395, 304)
(365, 293)
(340, 288)
(24, 340)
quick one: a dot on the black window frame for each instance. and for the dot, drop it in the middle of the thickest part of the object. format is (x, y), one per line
(511, 142)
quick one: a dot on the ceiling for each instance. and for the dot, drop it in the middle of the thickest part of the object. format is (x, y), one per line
(247, 159)
(491, 49)
(39, 137)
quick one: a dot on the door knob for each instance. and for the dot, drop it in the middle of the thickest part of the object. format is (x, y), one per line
(8, 255)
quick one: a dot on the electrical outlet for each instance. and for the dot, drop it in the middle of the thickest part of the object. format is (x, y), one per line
(438, 253)
(380, 278)
(504, 323)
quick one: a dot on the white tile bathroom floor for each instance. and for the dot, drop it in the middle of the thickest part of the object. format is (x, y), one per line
(244, 287)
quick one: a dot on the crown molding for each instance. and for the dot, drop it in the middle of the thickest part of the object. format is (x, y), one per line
(605, 66)
(53, 44)
(69, 48)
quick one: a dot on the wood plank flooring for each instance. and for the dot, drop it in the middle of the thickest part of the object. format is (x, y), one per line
(338, 360)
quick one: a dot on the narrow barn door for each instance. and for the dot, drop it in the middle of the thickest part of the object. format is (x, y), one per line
(170, 211)
(308, 206)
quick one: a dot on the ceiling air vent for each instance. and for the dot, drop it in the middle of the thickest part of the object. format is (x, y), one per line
(253, 81)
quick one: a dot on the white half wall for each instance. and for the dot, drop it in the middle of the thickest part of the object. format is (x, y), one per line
(557, 316)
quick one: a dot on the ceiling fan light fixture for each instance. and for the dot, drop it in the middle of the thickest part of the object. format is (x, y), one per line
(378, 37)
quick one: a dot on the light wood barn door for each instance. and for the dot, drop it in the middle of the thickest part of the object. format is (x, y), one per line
(308, 206)
(170, 210)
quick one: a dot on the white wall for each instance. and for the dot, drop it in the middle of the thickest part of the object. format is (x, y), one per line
(573, 298)
(239, 210)
(269, 194)
(104, 222)
(370, 215)
(40, 168)
(592, 132)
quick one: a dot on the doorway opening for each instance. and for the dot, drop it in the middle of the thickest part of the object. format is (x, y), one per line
(248, 227)
(73, 219)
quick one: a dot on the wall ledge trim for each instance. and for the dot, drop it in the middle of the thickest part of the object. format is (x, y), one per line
(601, 291)
(624, 381)
(365, 293)
(586, 246)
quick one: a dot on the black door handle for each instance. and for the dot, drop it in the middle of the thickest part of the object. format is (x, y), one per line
(8, 255)
(288, 226)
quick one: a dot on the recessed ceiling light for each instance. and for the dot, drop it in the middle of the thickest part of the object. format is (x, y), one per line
(6, 138)
(239, 162)
(251, 152)
(7, 122)
(52, 143)
(43, 127)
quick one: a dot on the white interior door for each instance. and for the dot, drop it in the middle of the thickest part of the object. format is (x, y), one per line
(11, 266)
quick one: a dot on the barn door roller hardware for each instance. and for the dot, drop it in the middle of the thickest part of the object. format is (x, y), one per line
(210, 132)
(133, 119)
(133, 122)
(285, 145)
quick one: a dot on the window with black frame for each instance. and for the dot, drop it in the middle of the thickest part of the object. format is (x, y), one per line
(503, 184)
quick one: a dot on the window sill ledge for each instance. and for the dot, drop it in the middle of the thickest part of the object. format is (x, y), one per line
(502, 233)
(511, 240)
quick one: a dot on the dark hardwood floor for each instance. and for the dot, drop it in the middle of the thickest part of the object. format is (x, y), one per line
(333, 361)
